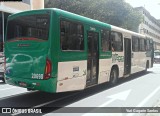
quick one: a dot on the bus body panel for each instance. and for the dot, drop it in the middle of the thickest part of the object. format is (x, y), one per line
(118, 60)
(24, 64)
(104, 70)
(26, 69)
(71, 75)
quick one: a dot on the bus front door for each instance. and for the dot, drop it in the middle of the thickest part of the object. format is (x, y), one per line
(127, 56)
(93, 59)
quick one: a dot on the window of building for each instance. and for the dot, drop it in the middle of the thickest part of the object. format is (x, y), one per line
(141, 44)
(105, 41)
(135, 44)
(117, 41)
(72, 35)
(147, 31)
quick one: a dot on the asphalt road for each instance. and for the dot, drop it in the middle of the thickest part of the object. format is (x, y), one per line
(141, 90)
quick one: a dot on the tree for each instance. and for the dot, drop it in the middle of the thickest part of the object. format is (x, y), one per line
(115, 12)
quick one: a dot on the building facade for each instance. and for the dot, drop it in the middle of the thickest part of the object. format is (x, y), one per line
(150, 26)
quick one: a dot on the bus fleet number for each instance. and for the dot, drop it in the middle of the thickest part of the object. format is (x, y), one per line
(37, 76)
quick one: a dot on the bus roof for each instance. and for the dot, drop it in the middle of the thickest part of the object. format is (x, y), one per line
(114, 28)
(63, 13)
(79, 18)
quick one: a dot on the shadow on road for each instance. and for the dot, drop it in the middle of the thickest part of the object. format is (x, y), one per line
(133, 76)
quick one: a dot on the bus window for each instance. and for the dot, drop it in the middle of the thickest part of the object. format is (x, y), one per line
(141, 44)
(135, 44)
(30, 26)
(117, 41)
(105, 41)
(151, 44)
(72, 36)
(147, 45)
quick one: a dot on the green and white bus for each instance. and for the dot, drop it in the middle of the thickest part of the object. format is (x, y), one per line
(53, 50)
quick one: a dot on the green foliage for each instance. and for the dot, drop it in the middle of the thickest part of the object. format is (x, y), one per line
(115, 12)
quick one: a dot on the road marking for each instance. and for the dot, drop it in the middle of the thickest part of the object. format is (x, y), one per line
(120, 96)
(146, 99)
(15, 95)
(7, 88)
(106, 103)
(46, 103)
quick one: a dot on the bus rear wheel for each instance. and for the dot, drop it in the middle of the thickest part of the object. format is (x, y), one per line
(113, 77)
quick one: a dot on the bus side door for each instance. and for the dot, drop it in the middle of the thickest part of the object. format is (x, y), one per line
(93, 58)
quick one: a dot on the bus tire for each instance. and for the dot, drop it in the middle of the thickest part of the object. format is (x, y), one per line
(113, 77)
(147, 66)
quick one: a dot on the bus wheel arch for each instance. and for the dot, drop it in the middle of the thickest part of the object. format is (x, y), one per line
(114, 74)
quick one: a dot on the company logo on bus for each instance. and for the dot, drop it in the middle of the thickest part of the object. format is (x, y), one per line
(23, 45)
(116, 57)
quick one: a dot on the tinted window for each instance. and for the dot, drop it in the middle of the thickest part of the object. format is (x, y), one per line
(151, 44)
(29, 26)
(117, 41)
(135, 44)
(105, 40)
(141, 45)
(147, 45)
(72, 36)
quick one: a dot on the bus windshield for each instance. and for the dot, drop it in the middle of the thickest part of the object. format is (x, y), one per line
(29, 27)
